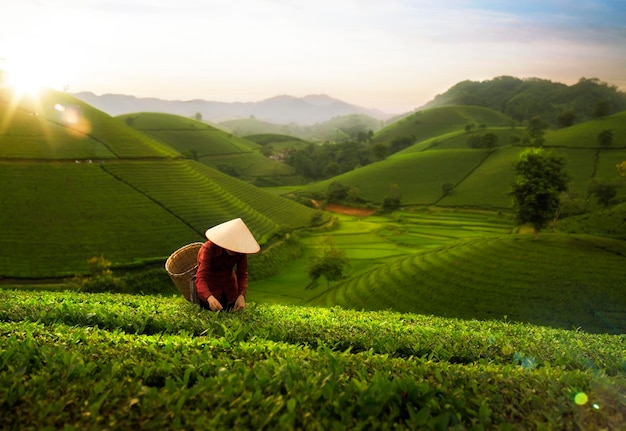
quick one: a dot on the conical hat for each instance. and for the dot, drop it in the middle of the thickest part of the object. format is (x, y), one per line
(233, 235)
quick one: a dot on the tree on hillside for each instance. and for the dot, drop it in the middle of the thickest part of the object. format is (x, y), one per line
(540, 180)
(605, 137)
(380, 151)
(604, 191)
(490, 140)
(392, 202)
(337, 192)
(602, 109)
(536, 129)
(328, 261)
(567, 118)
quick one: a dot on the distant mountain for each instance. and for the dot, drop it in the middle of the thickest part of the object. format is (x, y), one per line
(306, 110)
(522, 99)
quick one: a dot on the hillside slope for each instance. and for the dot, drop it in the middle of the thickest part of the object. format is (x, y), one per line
(566, 281)
(524, 98)
(209, 145)
(479, 177)
(69, 194)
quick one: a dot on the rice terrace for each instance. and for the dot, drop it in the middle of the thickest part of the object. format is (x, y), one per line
(442, 310)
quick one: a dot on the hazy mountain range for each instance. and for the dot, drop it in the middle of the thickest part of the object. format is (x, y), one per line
(306, 110)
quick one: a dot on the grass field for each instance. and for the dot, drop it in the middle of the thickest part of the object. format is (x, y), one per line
(373, 242)
(441, 155)
(434, 122)
(118, 361)
(566, 281)
(209, 145)
(56, 125)
(124, 211)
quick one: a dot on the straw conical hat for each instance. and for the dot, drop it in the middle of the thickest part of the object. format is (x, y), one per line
(233, 235)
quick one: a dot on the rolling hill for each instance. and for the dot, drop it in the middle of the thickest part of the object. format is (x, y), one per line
(566, 281)
(480, 177)
(336, 129)
(211, 146)
(77, 183)
(522, 99)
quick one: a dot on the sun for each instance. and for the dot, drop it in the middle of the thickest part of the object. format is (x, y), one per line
(25, 79)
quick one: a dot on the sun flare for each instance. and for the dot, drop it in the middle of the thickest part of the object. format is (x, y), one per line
(27, 77)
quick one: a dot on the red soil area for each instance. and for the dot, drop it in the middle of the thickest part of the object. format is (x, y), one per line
(359, 212)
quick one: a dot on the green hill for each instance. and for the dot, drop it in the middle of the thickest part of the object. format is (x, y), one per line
(110, 191)
(337, 129)
(58, 126)
(431, 123)
(565, 281)
(522, 99)
(480, 178)
(209, 145)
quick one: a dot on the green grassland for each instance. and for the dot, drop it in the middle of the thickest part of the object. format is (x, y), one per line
(110, 191)
(208, 144)
(467, 324)
(185, 134)
(418, 176)
(480, 179)
(586, 134)
(566, 281)
(373, 242)
(277, 141)
(124, 211)
(55, 125)
(100, 361)
(434, 122)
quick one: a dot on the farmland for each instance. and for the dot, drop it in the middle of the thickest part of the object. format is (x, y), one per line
(449, 316)
(162, 362)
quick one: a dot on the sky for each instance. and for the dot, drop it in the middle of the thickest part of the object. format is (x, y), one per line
(392, 55)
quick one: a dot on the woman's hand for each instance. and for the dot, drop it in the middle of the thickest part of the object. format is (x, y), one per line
(240, 303)
(214, 304)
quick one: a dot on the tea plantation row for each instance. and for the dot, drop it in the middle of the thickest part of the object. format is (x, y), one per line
(105, 361)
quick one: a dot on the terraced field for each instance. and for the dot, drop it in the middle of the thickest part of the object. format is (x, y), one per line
(566, 281)
(434, 122)
(419, 176)
(55, 216)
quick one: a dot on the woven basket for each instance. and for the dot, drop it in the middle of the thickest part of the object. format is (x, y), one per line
(182, 265)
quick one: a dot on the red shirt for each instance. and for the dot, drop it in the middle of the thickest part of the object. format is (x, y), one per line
(217, 274)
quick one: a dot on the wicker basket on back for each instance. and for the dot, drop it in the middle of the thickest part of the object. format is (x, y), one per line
(181, 266)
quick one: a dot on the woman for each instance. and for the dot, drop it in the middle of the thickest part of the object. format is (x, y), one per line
(222, 276)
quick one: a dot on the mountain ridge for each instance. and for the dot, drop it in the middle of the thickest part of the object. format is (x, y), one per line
(281, 109)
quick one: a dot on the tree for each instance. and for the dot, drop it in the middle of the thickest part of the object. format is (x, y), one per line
(337, 192)
(392, 202)
(490, 140)
(567, 118)
(540, 180)
(604, 191)
(380, 151)
(328, 261)
(198, 116)
(602, 109)
(474, 140)
(605, 137)
(536, 128)
(447, 188)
